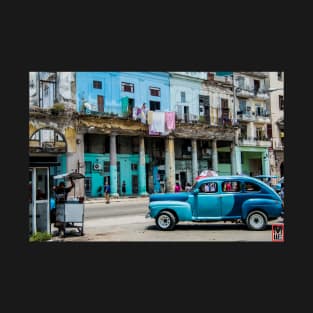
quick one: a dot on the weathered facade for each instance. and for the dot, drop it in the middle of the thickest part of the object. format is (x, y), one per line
(275, 83)
(89, 122)
(254, 120)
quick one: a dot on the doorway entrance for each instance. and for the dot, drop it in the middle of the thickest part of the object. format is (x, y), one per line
(39, 200)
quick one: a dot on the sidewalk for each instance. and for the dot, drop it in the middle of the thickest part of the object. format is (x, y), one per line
(119, 199)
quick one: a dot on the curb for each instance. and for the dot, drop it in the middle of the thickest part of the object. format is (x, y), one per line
(102, 200)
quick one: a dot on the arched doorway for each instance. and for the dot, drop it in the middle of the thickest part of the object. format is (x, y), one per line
(45, 147)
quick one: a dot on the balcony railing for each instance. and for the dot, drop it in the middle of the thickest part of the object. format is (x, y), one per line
(257, 74)
(255, 141)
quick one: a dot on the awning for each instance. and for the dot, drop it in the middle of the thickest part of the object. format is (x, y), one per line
(69, 175)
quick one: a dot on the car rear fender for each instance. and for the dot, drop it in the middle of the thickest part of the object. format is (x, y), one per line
(270, 207)
(182, 210)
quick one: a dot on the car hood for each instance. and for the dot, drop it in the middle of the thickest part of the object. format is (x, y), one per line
(179, 196)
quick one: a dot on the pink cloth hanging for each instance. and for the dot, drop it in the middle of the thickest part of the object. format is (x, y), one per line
(170, 120)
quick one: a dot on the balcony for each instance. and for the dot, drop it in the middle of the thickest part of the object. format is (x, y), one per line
(254, 141)
(247, 116)
(246, 141)
(260, 95)
(257, 74)
(244, 92)
(263, 118)
(265, 143)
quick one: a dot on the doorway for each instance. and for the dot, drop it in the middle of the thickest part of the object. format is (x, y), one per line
(39, 200)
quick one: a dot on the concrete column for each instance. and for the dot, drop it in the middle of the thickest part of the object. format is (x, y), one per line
(214, 156)
(79, 163)
(113, 166)
(265, 163)
(142, 168)
(251, 130)
(169, 164)
(194, 159)
(233, 159)
(238, 160)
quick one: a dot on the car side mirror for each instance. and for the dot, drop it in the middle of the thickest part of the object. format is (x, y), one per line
(196, 191)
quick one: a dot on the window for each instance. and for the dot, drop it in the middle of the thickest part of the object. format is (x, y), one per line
(154, 91)
(183, 96)
(259, 110)
(224, 157)
(259, 133)
(281, 102)
(134, 167)
(241, 82)
(88, 186)
(155, 105)
(256, 86)
(128, 87)
(100, 102)
(279, 75)
(242, 105)
(269, 131)
(47, 89)
(87, 167)
(97, 84)
(231, 186)
(58, 137)
(250, 187)
(208, 188)
(106, 166)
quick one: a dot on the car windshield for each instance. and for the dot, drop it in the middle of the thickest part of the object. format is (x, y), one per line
(193, 186)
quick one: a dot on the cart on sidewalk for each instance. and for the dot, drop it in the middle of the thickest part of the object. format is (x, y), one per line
(69, 212)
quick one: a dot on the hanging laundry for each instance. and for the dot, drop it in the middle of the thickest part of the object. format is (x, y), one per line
(153, 133)
(170, 120)
(149, 117)
(158, 122)
(143, 115)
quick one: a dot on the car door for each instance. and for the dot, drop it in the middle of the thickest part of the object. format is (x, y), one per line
(208, 201)
(231, 198)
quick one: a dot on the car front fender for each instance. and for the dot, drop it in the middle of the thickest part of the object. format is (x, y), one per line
(182, 210)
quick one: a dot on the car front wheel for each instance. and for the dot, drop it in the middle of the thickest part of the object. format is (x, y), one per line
(165, 221)
(256, 220)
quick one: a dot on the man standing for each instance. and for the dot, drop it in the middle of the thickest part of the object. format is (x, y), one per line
(107, 192)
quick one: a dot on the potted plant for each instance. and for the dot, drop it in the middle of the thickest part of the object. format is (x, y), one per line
(57, 108)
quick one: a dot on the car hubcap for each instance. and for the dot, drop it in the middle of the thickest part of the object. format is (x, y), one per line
(256, 220)
(164, 221)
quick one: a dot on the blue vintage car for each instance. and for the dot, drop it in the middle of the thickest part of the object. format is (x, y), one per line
(220, 198)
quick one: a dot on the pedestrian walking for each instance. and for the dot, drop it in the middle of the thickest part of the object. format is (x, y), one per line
(107, 192)
(177, 187)
(123, 188)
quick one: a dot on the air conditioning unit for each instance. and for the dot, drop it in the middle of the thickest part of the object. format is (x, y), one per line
(97, 166)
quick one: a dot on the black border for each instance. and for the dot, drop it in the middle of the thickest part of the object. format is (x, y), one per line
(121, 265)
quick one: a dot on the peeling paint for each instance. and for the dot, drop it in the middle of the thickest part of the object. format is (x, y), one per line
(70, 136)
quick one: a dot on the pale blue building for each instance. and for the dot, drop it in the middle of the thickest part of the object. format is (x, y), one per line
(118, 157)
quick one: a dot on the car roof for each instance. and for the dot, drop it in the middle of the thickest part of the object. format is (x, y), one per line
(228, 177)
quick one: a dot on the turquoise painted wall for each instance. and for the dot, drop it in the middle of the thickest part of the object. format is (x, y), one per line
(224, 169)
(125, 171)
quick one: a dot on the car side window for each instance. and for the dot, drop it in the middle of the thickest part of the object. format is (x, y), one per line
(231, 186)
(208, 187)
(250, 187)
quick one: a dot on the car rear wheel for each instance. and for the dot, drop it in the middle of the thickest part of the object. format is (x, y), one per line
(165, 221)
(256, 220)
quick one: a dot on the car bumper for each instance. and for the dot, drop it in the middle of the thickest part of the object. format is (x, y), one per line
(148, 215)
